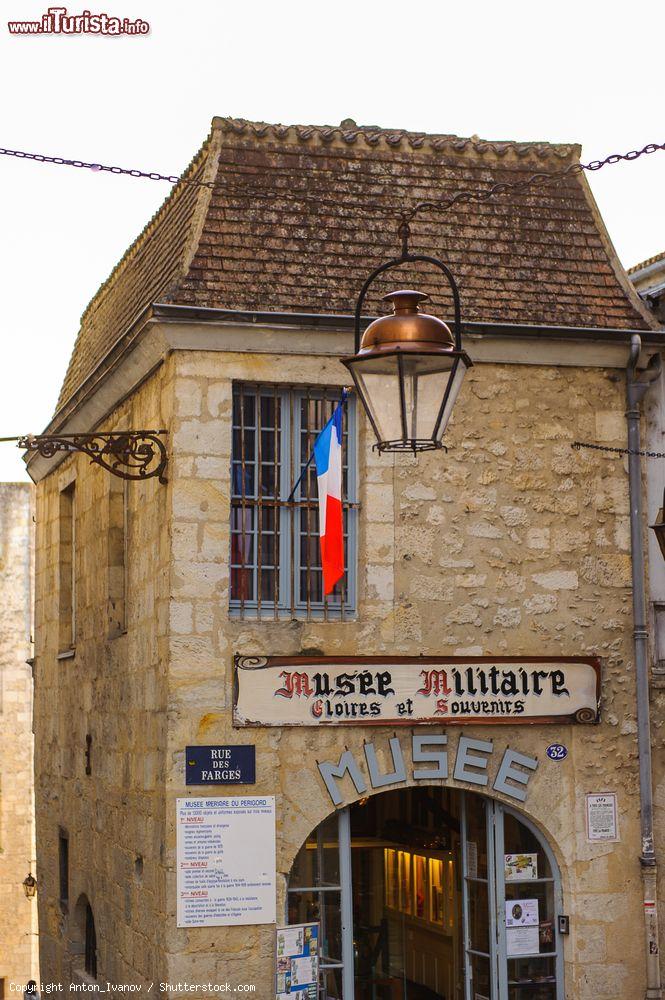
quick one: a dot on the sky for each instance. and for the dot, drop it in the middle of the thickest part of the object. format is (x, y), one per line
(565, 72)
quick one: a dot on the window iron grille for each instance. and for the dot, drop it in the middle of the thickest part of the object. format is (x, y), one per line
(275, 551)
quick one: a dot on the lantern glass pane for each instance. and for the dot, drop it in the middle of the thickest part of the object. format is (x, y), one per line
(456, 379)
(425, 380)
(377, 380)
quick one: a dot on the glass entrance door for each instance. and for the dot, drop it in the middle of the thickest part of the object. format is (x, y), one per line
(529, 899)
(479, 899)
(431, 894)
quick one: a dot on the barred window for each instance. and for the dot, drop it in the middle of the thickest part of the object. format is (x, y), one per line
(275, 552)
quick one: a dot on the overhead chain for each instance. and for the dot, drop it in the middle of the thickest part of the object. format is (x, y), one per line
(540, 177)
(63, 162)
(619, 451)
(442, 204)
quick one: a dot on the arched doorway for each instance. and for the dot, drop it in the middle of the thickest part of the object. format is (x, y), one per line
(431, 893)
(83, 939)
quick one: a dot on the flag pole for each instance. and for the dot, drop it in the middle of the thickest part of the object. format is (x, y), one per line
(342, 402)
(300, 478)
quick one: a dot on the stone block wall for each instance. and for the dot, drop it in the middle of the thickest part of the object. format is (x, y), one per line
(113, 690)
(19, 960)
(509, 543)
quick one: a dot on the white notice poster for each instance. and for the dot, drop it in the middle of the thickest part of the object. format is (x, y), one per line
(226, 861)
(602, 821)
(522, 941)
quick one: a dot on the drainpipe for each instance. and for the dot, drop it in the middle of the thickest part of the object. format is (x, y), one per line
(637, 384)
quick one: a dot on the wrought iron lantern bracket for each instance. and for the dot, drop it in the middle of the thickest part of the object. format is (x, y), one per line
(132, 455)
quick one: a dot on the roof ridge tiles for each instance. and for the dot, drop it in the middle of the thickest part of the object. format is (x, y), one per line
(372, 135)
(646, 263)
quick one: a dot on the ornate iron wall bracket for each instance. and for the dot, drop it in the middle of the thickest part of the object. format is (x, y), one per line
(127, 454)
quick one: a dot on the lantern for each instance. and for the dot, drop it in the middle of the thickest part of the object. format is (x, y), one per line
(30, 885)
(409, 367)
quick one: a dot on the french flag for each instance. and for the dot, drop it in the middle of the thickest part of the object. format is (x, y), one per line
(328, 459)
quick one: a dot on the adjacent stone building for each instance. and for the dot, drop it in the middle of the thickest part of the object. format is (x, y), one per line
(18, 915)
(649, 281)
(160, 608)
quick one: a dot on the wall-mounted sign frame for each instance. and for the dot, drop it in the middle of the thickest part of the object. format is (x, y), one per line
(380, 690)
(220, 765)
(297, 962)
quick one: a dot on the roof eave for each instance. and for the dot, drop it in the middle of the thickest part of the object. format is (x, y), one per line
(167, 311)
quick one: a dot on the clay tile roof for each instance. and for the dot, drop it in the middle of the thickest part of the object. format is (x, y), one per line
(647, 263)
(299, 215)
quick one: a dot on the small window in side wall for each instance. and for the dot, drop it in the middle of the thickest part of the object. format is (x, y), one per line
(63, 865)
(118, 563)
(275, 549)
(2, 988)
(67, 569)
(659, 635)
(90, 943)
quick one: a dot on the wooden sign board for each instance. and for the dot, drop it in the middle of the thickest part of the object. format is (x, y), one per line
(380, 690)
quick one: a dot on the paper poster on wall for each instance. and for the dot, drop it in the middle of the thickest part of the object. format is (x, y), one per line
(226, 861)
(297, 962)
(602, 818)
(520, 867)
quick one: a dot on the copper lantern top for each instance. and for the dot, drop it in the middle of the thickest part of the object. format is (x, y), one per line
(407, 329)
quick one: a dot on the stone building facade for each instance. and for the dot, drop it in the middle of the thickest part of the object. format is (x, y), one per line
(649, 281)
(18, 915)
(510, 544)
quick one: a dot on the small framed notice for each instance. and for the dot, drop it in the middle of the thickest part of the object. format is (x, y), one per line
(602, 818)
(297, 962)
